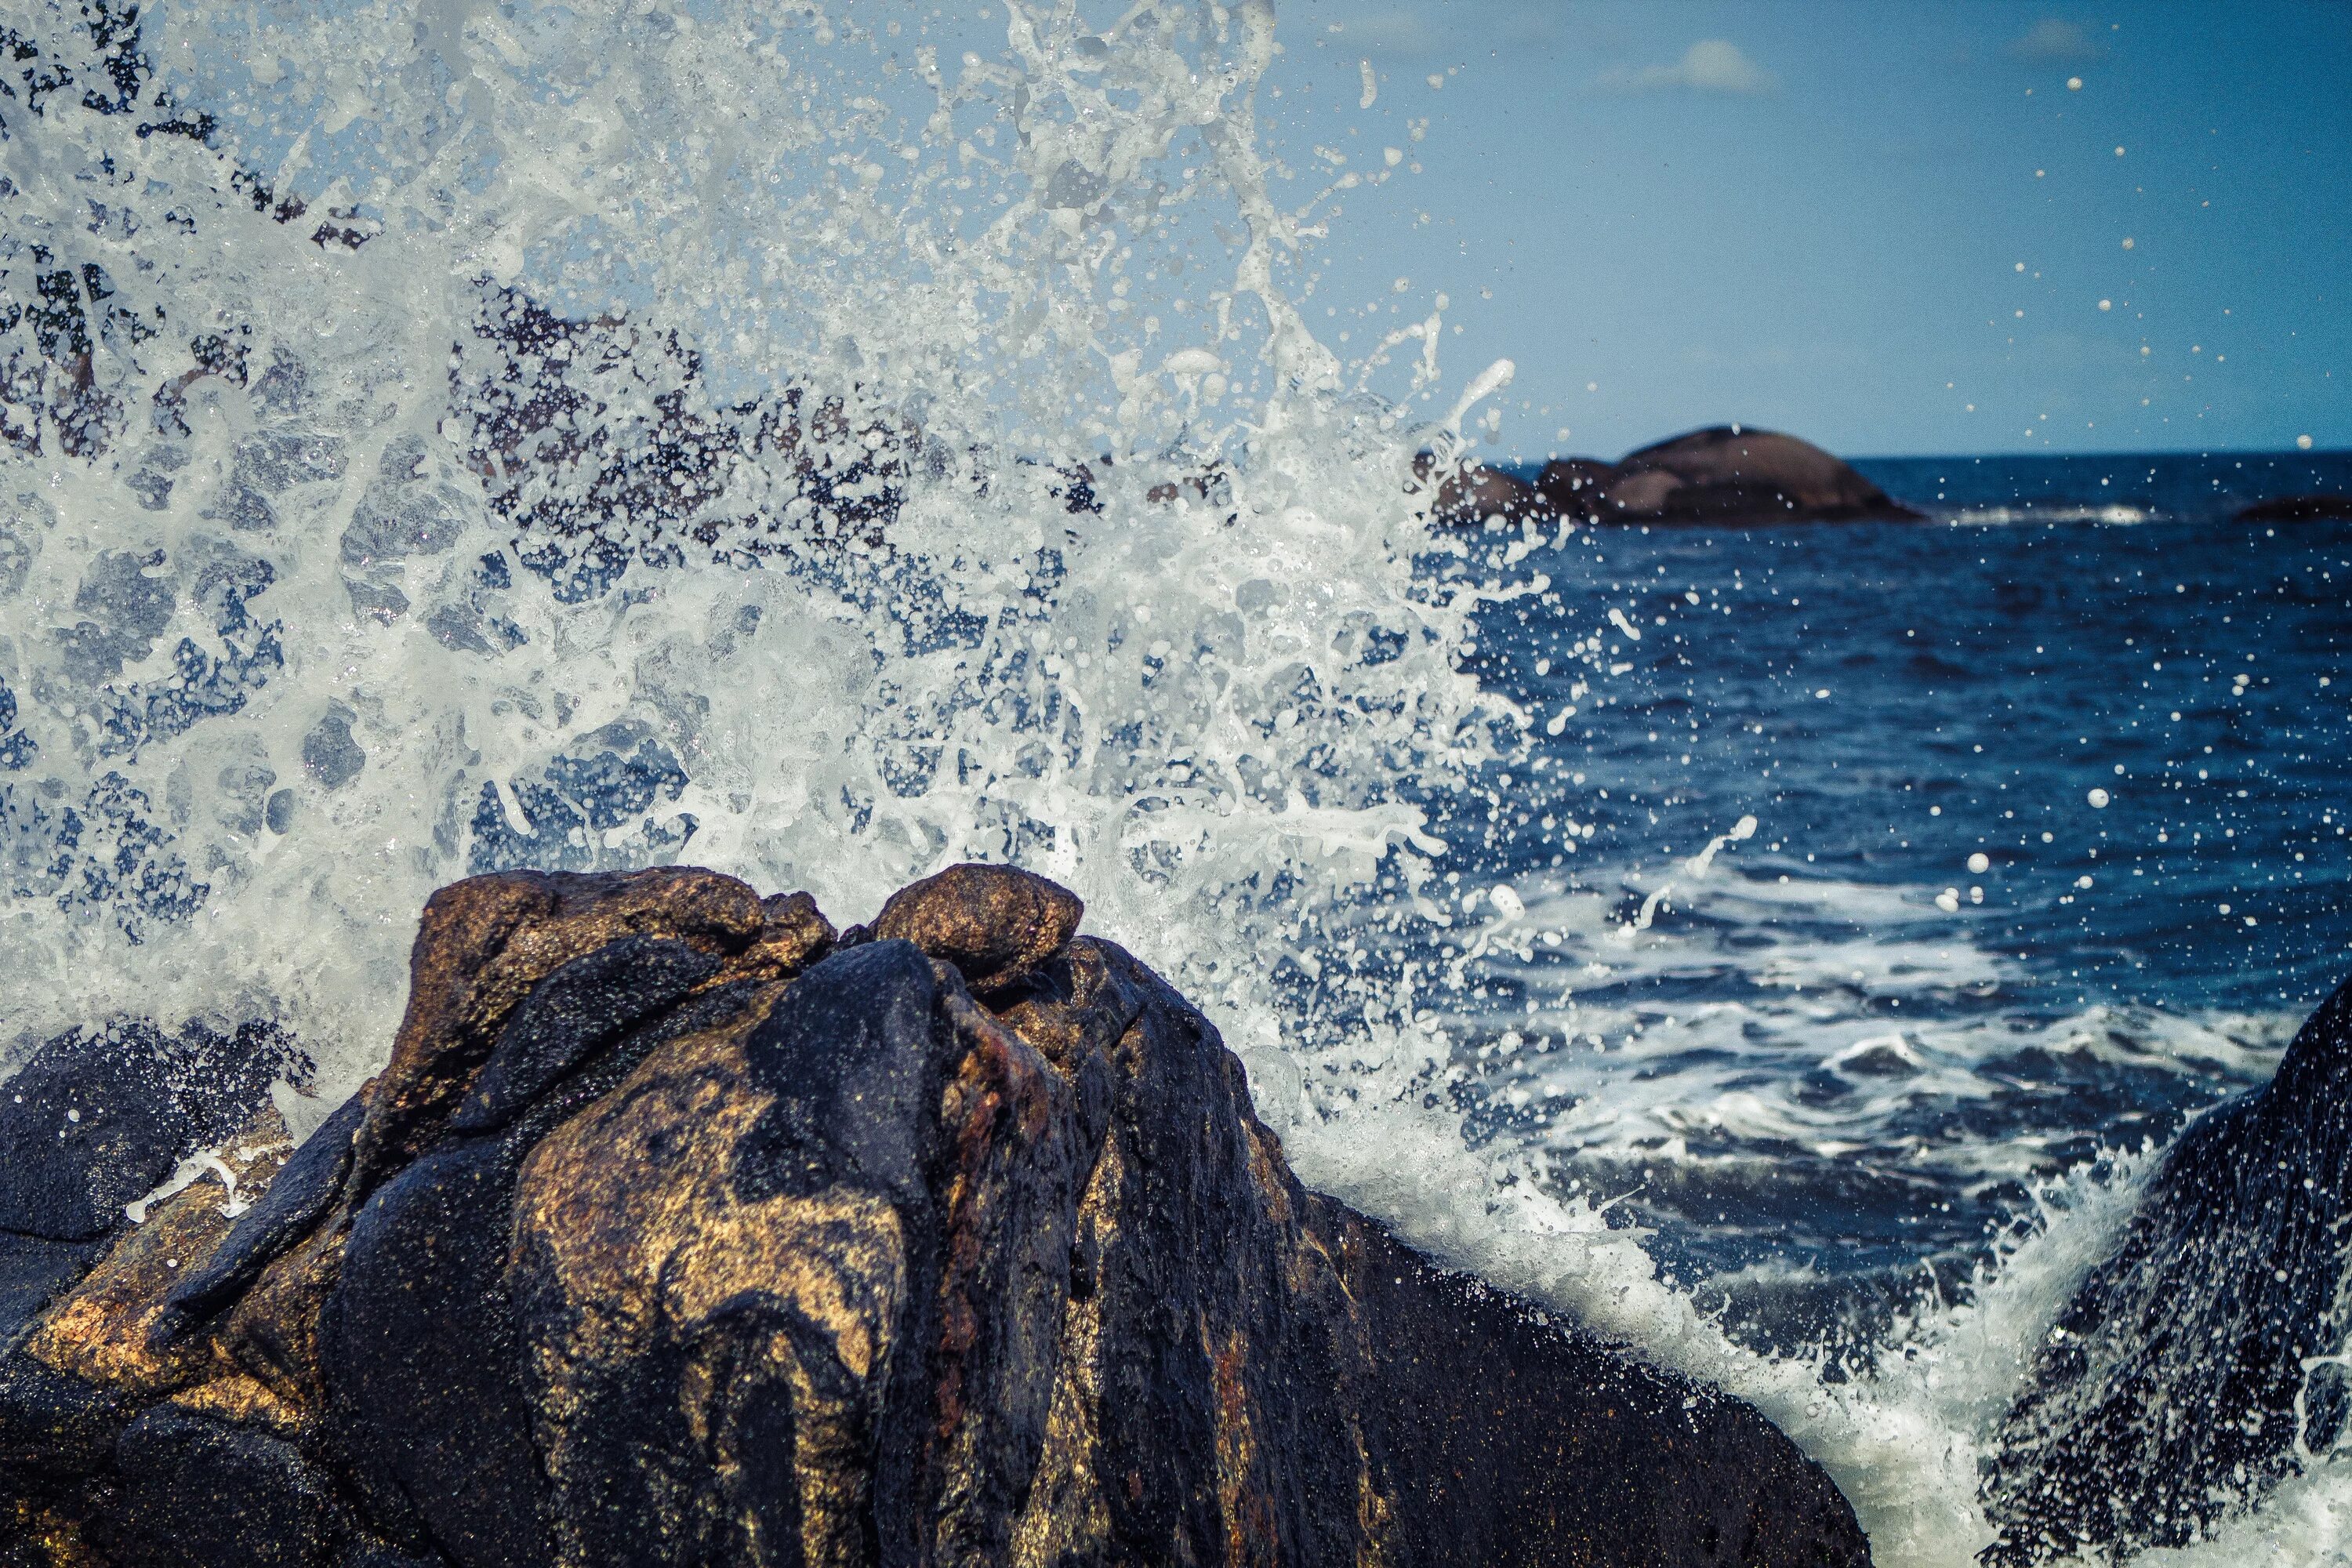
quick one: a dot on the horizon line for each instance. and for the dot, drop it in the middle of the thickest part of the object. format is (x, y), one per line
(2004, 452)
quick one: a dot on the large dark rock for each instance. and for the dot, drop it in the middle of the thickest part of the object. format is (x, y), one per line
(2192, 1370)
(189, 1491)
(679, 1231)
(1574, 486)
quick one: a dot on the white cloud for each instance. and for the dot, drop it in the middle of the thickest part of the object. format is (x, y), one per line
(2052, 41)
(1711, 65)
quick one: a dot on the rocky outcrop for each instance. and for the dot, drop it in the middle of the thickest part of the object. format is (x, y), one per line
(1740, 473)
(2297, 509)
(1572, 486)
(1470, 493)
(2202, 1361)
(1727, 474)
(681, 1229)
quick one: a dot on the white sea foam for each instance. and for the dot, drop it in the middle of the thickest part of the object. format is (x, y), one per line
(1776, 977)
(1999, 516)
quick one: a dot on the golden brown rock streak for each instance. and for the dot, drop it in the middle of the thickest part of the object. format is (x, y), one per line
(679, 1230)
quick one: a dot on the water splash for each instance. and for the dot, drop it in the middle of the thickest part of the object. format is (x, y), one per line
(445, 441)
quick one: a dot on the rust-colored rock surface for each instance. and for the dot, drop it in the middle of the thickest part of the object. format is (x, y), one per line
(679, 1230)
(993, 924)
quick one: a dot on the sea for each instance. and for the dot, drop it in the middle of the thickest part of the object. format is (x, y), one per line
(827, 443)
(2050, 852)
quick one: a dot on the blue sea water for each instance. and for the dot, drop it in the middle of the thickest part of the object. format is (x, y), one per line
(2104, 724)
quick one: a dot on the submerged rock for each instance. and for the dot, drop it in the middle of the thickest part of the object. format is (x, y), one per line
(2202, 1361)
(2318, 508)
(680, 1230)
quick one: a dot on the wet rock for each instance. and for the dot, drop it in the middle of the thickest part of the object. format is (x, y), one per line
(423, 1363)
(54, 1427)
(484, 943)
(994, 923)
(300, 1192)
(575, 1012)
(98, 1119)
(2189, 1373)
(192, 1493)
(105, 1329)
(678, 1230)
(2297, 509)
(34, 1271)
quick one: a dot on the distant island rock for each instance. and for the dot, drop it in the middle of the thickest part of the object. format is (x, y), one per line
(2298, 509)
(1726, 474)
(1474, 493)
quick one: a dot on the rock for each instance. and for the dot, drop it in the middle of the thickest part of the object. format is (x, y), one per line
(298, 1192)
(1574, 486)
(1732, 473)
(2180, 1384)
(193, 1492)
(1728, 475)
(678, 1231)
(994, 923)
(2297, 509)
(97, 1119)
(1470, 493)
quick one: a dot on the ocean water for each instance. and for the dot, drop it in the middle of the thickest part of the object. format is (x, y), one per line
(2050, 851)
(436, 438)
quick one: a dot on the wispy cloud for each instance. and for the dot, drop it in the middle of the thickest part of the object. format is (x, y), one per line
(1711, 65)
(2053, 41)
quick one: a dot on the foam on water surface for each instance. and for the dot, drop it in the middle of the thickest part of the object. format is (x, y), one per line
(828, 443)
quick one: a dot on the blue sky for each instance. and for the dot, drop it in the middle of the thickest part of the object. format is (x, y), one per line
(1811, 217)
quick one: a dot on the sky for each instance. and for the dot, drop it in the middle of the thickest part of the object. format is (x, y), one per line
(1921, 229)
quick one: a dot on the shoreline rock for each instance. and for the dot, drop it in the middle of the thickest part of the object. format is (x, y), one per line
(2197, 1363)
(682, 1229)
